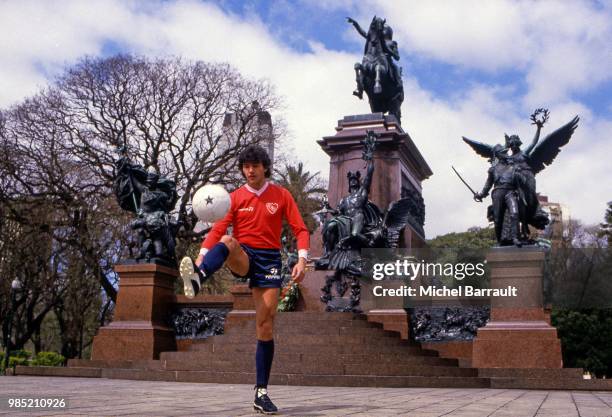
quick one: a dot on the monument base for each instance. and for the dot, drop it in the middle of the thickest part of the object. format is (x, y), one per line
(518, 335)
(517, 344)
(310, 291)
(243, 307)
(132, 341)
(399, 169)
(397, 320)
(139, 329)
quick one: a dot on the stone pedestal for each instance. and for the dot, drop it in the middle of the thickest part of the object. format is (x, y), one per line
(243, 306)
(310, 291)
(518, 334)
(388, 311)
(139, 329)
(399, 167)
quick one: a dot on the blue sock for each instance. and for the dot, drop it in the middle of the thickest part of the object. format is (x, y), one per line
(263, 361)
(214, 259)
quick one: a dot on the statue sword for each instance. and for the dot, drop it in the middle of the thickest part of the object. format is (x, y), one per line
(467, 185)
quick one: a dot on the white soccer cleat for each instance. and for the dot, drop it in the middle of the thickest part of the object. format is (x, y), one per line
(192, 277)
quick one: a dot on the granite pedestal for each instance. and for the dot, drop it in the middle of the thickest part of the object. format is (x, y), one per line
(518, 334)
(399, 167)
(139, 330)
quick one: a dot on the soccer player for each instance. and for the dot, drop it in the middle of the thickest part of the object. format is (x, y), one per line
(256, 214)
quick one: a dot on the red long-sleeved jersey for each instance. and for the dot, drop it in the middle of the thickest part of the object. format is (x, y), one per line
(257, 218)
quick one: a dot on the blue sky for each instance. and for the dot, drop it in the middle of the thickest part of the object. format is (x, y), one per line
(471, 68)
(297, 24)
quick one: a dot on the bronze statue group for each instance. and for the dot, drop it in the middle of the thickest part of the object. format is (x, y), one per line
(512, 177)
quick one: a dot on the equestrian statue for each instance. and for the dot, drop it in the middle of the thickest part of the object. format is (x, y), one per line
(378, 74)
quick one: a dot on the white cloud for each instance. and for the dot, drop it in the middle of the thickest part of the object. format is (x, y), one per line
(41, 37)
(563, 47)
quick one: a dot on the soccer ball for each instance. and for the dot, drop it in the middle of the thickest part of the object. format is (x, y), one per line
(211, 203)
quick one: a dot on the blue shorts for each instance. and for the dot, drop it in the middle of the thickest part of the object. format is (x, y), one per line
(264, 267)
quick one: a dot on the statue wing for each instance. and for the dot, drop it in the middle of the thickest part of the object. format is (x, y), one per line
(481, 149)
(549, 148)
(398, 214)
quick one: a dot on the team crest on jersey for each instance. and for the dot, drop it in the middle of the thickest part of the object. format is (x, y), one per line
(272, 207)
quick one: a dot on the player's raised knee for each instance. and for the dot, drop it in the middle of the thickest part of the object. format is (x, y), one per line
(230, 242)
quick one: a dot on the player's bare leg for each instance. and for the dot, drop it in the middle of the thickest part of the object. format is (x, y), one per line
(237, 260)
(266, 302)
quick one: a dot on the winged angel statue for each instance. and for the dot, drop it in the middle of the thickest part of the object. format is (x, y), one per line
(512, 177)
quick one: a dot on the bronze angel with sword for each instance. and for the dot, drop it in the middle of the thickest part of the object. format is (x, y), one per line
(515, 204)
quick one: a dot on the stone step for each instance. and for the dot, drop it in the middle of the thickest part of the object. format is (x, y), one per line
(303, 316)
(382, 340)
(316, 349)
(124, 364)
(295, 325)
(185, 359)
(537, 373)
(552, 384)
(83, 372)
(300, 379)
(324, 367)
(140, 374)
(391, 369)
(565, 383)
(322, 332)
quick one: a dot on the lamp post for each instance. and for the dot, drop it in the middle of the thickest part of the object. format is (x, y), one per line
(15, 290)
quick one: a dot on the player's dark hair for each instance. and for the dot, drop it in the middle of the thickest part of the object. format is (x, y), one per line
(255, 154)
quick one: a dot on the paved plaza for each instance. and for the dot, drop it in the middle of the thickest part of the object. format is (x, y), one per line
(112, 397)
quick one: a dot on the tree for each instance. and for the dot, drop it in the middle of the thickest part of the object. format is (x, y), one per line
(26, 255)
(473, 238)
(467, 247)
(606, 226)
(577, 272)
(167, 113)
(58, 152)
(306, 189)
(586, 339)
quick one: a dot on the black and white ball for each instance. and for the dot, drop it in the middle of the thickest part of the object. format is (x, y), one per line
(211, 203)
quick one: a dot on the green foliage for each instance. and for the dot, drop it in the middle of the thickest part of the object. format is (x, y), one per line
(288, 302)
(586, 339)
(305, 188)
(606, 226)
(16, 357)
(23, 358)
(462, 248)
(21, 354)
(48, 359)
(473, 238)
(17, 361)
